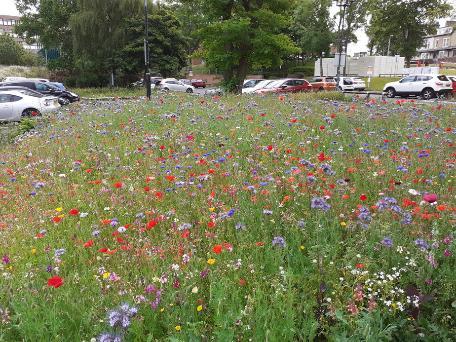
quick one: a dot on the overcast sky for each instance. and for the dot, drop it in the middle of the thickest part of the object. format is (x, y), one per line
(8, 7)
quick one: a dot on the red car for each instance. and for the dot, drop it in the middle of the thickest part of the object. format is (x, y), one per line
(199, 83)
(289, 85)
(453, 82)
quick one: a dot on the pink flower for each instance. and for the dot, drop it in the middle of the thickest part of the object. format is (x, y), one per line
(447, 253)
(430, 198)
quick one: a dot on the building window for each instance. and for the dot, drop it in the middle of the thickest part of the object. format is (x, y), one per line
(436, 43)
(445, 42)
(441, 54)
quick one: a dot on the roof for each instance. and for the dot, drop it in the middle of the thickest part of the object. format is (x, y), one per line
(3, 16)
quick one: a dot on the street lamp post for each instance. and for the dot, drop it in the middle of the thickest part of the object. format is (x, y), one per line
(146, 52)
(389, 45)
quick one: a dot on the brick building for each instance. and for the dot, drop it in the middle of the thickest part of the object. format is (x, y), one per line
(441, 46)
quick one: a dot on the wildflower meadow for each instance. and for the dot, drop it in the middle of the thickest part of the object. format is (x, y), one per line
(187, 218)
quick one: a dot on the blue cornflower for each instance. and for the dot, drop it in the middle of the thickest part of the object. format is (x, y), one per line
(319, 203)
(387, 242)
(279, 241)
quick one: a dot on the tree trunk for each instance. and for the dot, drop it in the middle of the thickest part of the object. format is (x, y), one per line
(242, 72)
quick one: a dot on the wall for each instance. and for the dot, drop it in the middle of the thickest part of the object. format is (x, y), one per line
(381, 65)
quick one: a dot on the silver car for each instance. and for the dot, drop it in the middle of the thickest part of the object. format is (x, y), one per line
(16, 104)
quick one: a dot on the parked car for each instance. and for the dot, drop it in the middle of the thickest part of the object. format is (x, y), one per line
(14, 79)
(345, 84)
(323, 83)
(175, 85)
(453, 83)
(64, 96)
(359, 84)
(258, 86)
(251, 83)
(198, 83)
(290, 85)
(426, 86)
(15, 104)
(58, 85)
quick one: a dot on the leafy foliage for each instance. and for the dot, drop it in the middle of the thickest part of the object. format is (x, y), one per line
(407, 22)
(12, 53)
(242, 35)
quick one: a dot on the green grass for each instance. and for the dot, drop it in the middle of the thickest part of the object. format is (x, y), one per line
(197, 212)
(109, 92)
(377, 83)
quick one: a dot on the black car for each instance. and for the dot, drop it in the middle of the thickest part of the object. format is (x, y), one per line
(64, 96)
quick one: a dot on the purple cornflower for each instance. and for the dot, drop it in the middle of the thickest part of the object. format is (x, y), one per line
(109, 337)
(407, 218)
(319, 203)
(279, 241)
(421, 243)
(364, 216)
(121, 317)
(204, 273)
(327, 169)
(387, 242)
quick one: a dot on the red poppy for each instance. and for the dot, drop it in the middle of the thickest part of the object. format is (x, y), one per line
(170, 178)
(363, 197)
(270, 147)
(217, 249)
(359, 266)
(56, 219)
(158, 195)
(88, 244)
(260, 243)
(118, 185)
(242, 282)
(151, 224)
(147, 188)
(211, 224)
(74, 212)
(55, 281)
(322, 128)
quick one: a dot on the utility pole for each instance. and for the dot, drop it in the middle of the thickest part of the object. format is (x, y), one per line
(146, 52)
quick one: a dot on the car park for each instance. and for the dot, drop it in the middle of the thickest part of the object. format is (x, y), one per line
(289, 85)
(258, 86)
(251, 83)
(425, 86)
(344, 84)
(323, 83)
(358, 84)
(453, 84)
(64, 96)
(15, 105)
(172, 84)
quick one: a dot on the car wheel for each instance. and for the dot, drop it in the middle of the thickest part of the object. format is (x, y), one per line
(391, 93)
(189, 90)
(427, 94)
(30, 112)
(166, 89)
(64, 101)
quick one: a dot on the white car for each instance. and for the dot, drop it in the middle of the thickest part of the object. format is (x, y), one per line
(173, 84)
(345, 84)
(358, 83)
(426, 86)
(251, 83)
(15, 104)
(258, 86)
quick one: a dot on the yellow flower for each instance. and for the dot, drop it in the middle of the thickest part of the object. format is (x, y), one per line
(162, 309)
(59, 209)
(211, 261)
(62, 215)
(106, 275)
(178, 328)
(33, 250)
(199, 308)
(302, 247)
(343, 224)
(212, 209)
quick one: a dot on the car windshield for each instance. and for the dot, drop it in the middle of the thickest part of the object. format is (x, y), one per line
(442, 78)
(263, 84)
(274, 84)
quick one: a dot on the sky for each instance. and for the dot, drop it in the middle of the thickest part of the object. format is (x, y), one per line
(8, 7)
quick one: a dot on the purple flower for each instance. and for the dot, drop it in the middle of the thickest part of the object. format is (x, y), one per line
(121, 317)
(421, 243)
(406, 218)
(319, 203)
(204, 273)
(279, 241)
(387, 242)
(6, 259)
(364, 217)
(108, 337)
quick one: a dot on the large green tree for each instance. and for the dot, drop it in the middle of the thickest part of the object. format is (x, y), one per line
(407, 22)
(167, 44)
(99, 33)
(11, 53)
(312, 28)
(48, 21)
(242, 35)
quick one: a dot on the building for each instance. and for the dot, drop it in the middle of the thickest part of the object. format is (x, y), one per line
(7, 23)
(441, 46)
(364, 66)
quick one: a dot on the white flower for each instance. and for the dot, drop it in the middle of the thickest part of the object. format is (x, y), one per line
(175, 267)
(82, 215)
(413, 192)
